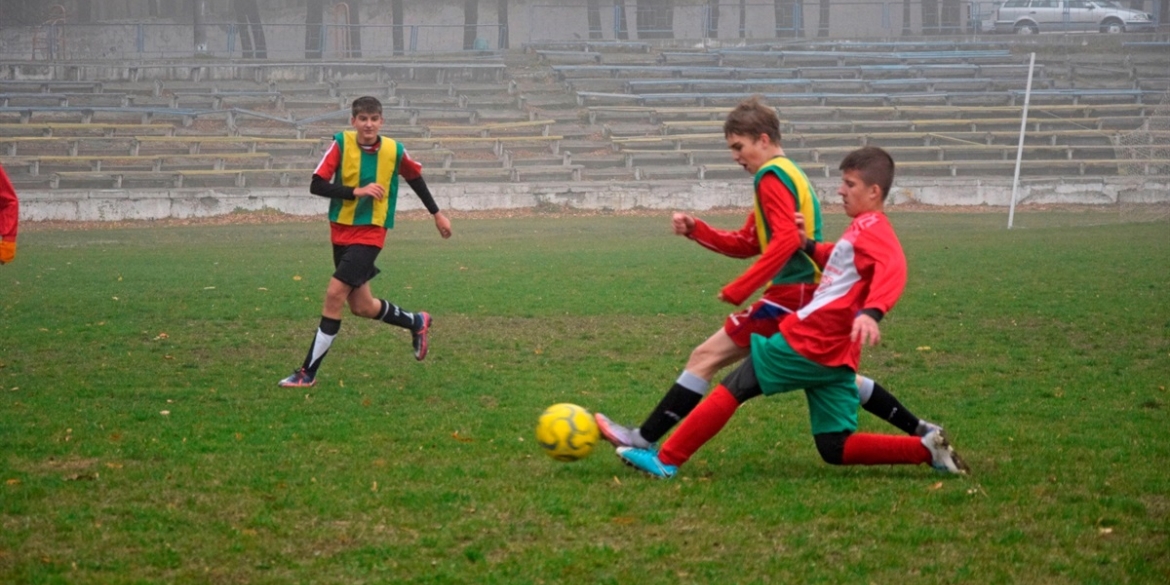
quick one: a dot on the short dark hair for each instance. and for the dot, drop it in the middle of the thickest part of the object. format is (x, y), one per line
(366, 105)
(875, 166)
(753, 118)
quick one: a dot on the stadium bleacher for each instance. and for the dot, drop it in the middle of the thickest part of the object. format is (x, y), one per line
(589, 111)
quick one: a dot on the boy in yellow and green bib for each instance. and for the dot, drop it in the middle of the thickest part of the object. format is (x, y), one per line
(359, 175)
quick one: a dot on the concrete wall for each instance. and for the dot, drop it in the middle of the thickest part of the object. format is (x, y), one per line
(111, 205)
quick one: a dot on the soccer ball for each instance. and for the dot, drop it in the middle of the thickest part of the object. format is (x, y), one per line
(566, 432)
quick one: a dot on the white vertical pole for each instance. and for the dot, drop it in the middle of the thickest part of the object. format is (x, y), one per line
(1020, 147)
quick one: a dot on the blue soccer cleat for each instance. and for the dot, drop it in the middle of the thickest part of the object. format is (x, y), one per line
(647, 462)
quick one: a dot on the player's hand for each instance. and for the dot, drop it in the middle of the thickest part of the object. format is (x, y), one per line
(865, 330)
(683, 224)
(726, 299)
(443, 225)
(799, 220)
(7, 251)
(374, 190)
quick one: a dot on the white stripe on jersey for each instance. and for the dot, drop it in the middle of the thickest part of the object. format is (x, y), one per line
(839, 275)
(317, 171)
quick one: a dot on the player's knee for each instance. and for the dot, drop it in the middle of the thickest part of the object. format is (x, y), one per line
(831, 446)
(364, 311)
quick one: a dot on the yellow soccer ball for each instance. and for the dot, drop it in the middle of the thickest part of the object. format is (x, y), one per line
(566, 432)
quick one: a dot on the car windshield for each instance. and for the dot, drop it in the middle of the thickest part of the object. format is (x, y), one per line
(1106, 4)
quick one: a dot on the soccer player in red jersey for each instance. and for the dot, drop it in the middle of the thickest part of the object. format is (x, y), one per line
(818, 348)
(785, 205)
(359, 174)
(9, 219)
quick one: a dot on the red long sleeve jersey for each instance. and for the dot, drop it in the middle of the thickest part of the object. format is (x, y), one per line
(9, 209)
(865, 269)
(780, 211)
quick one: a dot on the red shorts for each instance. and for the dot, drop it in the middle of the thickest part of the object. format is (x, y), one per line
(763, 317)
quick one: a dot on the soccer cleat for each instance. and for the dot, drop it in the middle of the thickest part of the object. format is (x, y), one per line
(943, 456)
(299, 379)
(618, 435)
(925, 427)
(647, 462)
(418, 338)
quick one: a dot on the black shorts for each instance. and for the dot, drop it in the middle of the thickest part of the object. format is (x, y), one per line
(354, 264)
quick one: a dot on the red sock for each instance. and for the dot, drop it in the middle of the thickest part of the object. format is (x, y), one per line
(871, 449)
(699, 427)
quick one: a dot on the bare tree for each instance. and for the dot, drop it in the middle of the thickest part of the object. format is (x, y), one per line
(314, 20)
(251, 30)
(623, 27)
(712, 19)
(502, 19)
(743, 19)
(354, 29)
(399, 30)
(199, 7)
(470, 23)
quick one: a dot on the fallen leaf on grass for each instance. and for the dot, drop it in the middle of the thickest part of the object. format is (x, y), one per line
(1104, 531)
(923, 348)
(13, 481)
(165, 412)
(461, 438)
(82, 477)
(937, 486)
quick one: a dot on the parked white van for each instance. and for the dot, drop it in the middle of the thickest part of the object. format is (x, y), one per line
(1034, 16)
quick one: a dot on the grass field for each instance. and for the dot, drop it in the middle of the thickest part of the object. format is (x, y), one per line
(144, 438)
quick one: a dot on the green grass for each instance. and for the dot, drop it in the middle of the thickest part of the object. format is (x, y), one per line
(1044, 350)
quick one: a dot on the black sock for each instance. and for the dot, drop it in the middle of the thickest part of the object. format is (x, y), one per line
(394, 315)
(674, 406)
(886, 407)
(322, 341)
